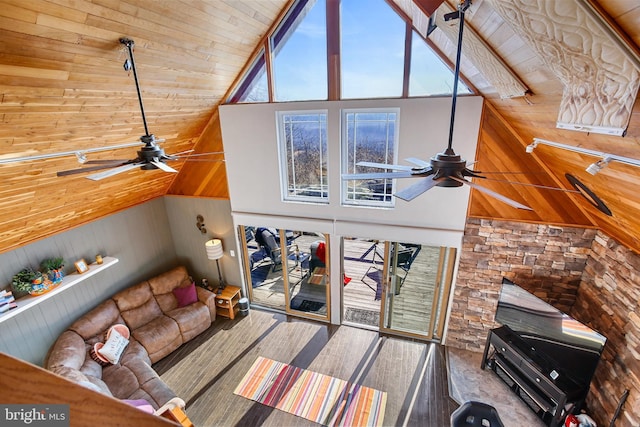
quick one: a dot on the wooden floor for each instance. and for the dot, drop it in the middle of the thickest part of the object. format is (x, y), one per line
(205, 371)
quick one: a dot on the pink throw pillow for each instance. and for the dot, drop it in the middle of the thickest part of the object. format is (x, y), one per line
(186, 295)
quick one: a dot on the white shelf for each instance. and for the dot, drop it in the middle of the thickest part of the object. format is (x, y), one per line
(68, 281)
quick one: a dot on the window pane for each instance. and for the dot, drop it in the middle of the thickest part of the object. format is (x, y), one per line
(303, 153)
(429, 76)
(369, 136)
(372, 56)
(300, 54)
(254, 87)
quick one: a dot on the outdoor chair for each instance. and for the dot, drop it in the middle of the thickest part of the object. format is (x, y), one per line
(407, 253)
(272, 248)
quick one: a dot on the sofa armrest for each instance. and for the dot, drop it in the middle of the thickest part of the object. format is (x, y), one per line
(208, 298)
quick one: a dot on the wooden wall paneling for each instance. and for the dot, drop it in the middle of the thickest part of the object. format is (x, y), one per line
(204, 178)
(139, 237)
(63, 88)
(500, 149)
(611, 184)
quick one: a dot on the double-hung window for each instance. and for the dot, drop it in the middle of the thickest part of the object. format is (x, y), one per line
(369, 135)
(302, 144)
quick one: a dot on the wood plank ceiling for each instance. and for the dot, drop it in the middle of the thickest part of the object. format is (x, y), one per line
(64, 89)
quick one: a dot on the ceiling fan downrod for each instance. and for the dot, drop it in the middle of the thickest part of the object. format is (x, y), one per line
(462, 7)
(131, 64)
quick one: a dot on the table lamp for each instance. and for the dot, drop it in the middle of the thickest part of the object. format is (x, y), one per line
(214, 251)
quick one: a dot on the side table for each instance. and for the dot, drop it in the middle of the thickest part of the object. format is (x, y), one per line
(227, 302)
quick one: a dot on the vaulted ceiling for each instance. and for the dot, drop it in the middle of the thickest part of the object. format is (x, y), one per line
(63, 88)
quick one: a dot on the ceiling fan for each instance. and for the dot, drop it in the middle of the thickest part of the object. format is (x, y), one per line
(150, 156)
(445, 169)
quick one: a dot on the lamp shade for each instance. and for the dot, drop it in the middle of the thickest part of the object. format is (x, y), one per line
(214, 249)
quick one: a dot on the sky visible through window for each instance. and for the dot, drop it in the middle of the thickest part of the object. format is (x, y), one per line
(372, 57)
(300, 65)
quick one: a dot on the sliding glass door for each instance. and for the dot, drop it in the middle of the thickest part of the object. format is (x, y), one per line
(287, 270)
(396, 287)
(417, 284)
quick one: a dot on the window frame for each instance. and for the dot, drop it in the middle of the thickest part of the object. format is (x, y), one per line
(284, 164)
(344, 155)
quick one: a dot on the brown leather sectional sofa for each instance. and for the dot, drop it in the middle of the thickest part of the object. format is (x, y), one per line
(158, 327)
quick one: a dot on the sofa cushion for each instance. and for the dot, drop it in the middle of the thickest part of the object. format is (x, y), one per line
(69, 351)
(121, 380)
(163, 285)
(159, 337)
(192, 320)
(135, 350)
(186, 295)
(155, 392)
(208, 298)
(97, 321)
(168, 281)
(137, 305)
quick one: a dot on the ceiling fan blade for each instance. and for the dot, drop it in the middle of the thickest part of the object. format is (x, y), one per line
(112, 172)
(163, 166)
(183, 152)
(89, 169)
(384, 166)
(418, 162)
(544, 187)
(376, 175)
(416, 189)
(100, 162)
(493, 194)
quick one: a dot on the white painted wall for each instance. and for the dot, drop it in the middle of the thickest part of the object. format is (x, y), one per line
(435, 218)
(251, 152)
(189, 241)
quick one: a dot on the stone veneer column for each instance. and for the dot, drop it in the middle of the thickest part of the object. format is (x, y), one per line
(548, 261)
(608, 301)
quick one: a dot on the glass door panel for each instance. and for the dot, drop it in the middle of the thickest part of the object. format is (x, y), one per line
(363, 266)
(416, 288)
(286, 270)
(308, 273)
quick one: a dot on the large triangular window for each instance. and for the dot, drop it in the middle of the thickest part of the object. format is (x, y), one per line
(379, 56)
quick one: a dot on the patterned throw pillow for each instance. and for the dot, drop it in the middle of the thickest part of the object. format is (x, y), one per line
(115, 344)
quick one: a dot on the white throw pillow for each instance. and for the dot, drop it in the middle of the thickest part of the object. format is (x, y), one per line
(115, 345)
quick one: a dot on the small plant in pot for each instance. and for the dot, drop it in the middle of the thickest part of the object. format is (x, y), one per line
(22, 282)
(54, 269)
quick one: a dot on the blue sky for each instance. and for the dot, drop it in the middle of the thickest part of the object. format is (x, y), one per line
(372, 44)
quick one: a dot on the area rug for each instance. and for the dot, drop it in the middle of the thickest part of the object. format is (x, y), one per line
(259, 275)
(320, 398)
(361, 316)
(306, 305)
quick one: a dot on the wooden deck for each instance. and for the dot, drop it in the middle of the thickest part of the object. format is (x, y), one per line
(205, 371)
(411, 307)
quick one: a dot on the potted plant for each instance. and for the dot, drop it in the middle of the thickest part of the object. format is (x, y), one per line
(23, 282)
(53, 268)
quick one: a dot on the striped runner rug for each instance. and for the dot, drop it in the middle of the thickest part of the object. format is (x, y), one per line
(320, 398)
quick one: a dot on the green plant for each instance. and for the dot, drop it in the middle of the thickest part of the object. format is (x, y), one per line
(50, 264)
(23, 280)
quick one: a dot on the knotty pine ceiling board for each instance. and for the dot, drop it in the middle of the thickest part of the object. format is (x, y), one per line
(63, 88)
(500, 150)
